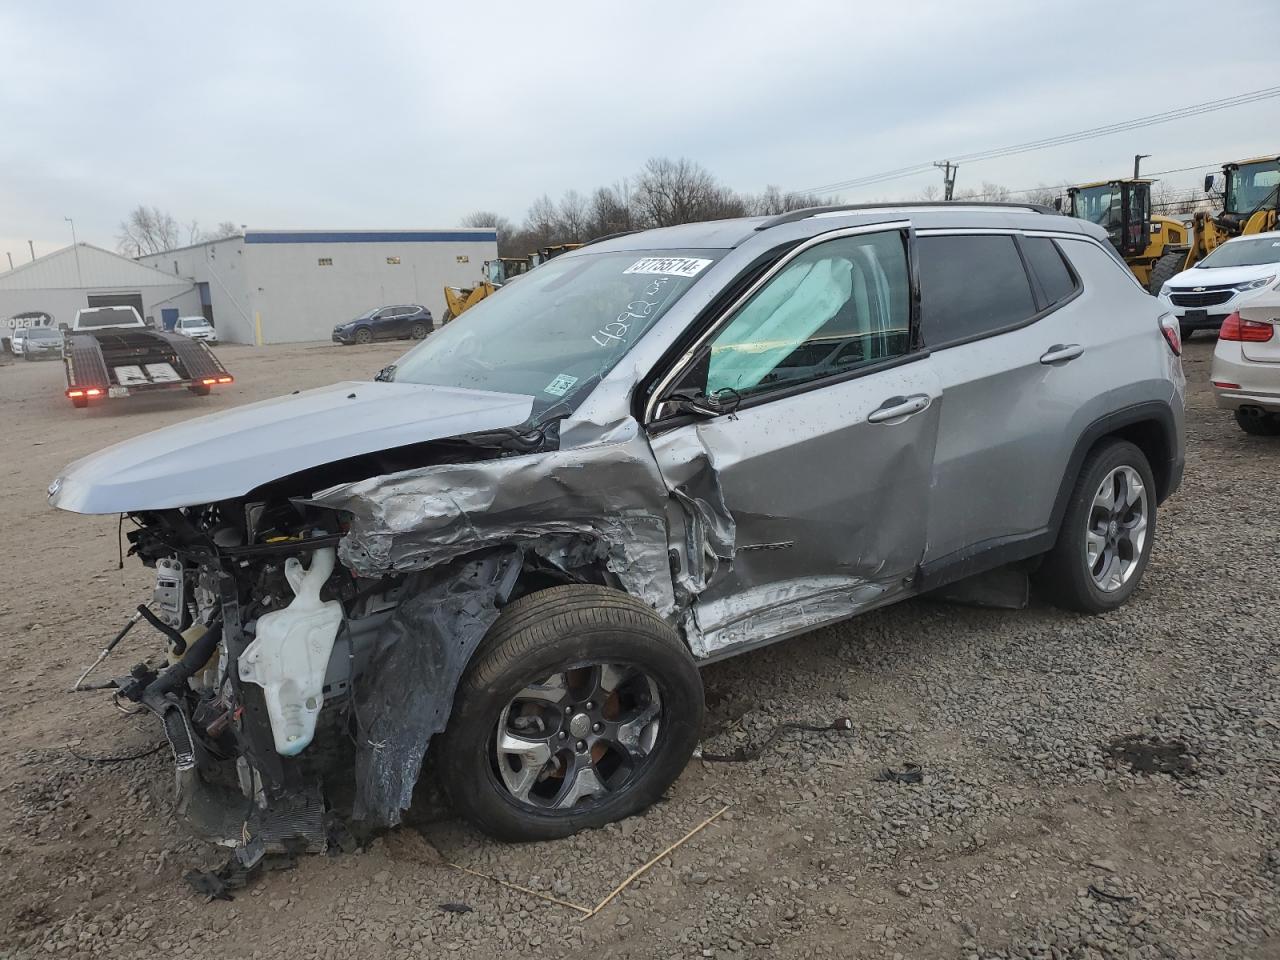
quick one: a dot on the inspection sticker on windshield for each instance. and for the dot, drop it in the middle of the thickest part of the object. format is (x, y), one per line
(675, 266)
(560, 385)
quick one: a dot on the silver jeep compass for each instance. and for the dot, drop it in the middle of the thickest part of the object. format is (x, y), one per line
(513, 549)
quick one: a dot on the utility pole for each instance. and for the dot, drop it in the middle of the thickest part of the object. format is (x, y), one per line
(1137, 162)
(32, 247)
(10, 256)
(76, 247)
(948, 178)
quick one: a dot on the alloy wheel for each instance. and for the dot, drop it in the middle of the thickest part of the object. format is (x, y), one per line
(1116, 532)
(577, 736)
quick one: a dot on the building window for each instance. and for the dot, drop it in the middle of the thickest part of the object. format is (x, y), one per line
(394, 261)
(325, 261)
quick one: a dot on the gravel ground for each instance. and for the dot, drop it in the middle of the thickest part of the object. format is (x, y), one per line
(1028, 836)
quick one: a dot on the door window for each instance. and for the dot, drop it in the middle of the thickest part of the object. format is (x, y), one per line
(837, 306)
(971, 286)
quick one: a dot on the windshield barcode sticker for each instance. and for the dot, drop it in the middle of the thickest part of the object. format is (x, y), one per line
(560, 385)
(674, 266)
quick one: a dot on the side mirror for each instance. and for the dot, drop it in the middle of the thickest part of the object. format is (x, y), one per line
(1208, 182)
(699, 404)
(1057, 204)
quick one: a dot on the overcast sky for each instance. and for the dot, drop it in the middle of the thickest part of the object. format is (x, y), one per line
(277, 114)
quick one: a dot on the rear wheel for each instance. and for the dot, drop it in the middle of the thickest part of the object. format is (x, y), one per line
(364, 335)
(419, 331)
(1264, 425)
(1164, 269)
(1105, 541)
(581, 707)
(199, 390)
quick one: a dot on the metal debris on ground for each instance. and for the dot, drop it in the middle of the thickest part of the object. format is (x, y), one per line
(744, 754)
(1147, 755)
(910, 773)
(1107, 897)
(456, 907)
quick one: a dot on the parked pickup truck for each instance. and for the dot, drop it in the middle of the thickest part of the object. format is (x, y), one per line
(110, 352)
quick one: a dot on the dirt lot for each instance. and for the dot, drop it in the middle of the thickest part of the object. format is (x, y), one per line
(1024, 839)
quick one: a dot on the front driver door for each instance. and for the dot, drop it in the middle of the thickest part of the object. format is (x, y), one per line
(825, 460)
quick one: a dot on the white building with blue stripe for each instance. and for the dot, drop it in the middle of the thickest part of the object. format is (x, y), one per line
(288, 286)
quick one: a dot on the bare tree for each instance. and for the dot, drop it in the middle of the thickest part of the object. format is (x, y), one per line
(503, 227)
(147, 230)
(674, 191)
(610, 210)
(573, 218)
(224, 231)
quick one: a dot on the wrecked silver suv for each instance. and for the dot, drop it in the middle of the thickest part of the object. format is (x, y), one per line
(516, 546)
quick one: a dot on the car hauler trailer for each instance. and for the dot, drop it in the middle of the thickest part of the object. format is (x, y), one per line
(109, 352)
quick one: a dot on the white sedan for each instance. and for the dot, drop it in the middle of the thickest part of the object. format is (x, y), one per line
(1246, 364)
(197, 328)
(1204, 296)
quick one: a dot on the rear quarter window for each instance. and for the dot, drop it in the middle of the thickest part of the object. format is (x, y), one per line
(971, 286)
(1046, 261)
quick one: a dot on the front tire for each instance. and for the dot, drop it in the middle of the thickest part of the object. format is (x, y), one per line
(364, 335)
(581, 707)
(1165, 269)
(1267, 425)
(1107, 533)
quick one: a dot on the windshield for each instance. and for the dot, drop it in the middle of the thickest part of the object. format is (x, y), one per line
(107, 317)
(191, 322)
(368, 314)
(1100, 205)
(1252, 187)
(43, 333)
(562, 327)
(1253, 252)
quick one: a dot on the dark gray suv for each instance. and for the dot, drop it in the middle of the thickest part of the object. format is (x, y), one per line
(662, 449)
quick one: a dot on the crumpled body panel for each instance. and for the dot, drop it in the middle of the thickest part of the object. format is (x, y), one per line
(608, 492)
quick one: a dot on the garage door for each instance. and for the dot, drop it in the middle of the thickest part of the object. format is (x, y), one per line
(118, 300)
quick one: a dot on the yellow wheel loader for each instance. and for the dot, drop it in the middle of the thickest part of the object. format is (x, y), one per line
(494, 274)
(1153, 247)
(1250, 204)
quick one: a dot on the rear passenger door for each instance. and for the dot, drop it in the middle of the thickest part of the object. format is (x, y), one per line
(998, 315)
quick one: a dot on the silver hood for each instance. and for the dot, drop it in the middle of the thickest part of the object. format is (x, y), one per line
(229, 453)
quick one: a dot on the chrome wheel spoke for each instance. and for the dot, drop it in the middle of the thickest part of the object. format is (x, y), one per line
(534, 756)
(553, 690)
(1095, 544)
(581, 782)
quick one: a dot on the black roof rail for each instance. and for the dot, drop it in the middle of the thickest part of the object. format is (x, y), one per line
(609, 236)
(807, 212)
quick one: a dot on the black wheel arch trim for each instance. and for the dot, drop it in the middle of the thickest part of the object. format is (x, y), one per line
(999, 551)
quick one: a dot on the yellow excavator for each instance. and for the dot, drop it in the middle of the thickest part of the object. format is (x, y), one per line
(1153, 247)
(1250, 204)
(494, 274)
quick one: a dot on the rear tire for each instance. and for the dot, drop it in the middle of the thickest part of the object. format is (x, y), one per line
(1069, 576)
(1164, 269)
(1267, 425)
(419, 331)
(562, 632)
(200, 390)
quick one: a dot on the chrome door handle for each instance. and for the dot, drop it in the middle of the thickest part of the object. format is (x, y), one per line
(899, 408)
(1061, 353)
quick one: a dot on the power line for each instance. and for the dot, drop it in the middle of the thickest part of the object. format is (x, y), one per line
(1167, 116)
(1150, 176)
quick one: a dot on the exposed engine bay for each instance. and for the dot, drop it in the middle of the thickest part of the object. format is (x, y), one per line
(284, 669)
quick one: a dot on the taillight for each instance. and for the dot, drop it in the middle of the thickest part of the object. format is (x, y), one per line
(211, 381)
(1172, 334)
(1245, 331)
(91, 392)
